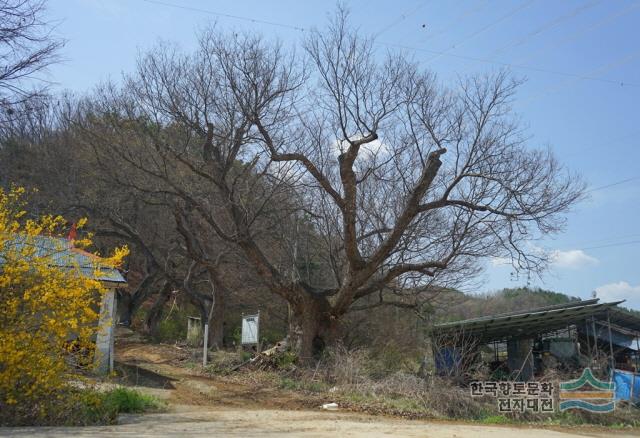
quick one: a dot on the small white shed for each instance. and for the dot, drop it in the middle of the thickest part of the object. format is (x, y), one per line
(105, 338)
(64, 255)
(111, 279)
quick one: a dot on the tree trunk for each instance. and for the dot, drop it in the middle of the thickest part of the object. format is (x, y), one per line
(155, 313)
(312, 327)
(216, 322)
(130, 302)
(125, 308)
(214, 317)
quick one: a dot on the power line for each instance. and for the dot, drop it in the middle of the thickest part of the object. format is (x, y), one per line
(546, 26)
(606, 245)
(599, 71)
(574, 36)
(516, 66)
(630, 242)
(466, 13)
(401, 46)
(483, 29)
(604, 241)
(444, 53)
(222, 14)
(402, 17)
(613, 184)
(612, 244)
(553, 23)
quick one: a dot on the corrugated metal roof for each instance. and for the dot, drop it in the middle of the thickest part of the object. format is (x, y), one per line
(625, 319)
(538, 321)
(63, 255)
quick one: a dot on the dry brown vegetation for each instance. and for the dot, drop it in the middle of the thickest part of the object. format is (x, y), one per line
(353, 379)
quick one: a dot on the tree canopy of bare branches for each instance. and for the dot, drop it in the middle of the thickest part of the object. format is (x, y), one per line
(405, 186)
(27, 47)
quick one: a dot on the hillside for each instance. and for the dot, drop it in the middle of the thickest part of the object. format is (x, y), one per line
(506, 300)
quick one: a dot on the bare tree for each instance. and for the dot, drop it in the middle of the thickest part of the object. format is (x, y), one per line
(455, 354)
(408, 186)
(27, 47)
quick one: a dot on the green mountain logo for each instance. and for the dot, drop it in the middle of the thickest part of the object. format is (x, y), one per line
(587, 393)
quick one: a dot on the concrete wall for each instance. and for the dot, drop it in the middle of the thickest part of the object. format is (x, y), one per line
(519, 356)
(106, 333)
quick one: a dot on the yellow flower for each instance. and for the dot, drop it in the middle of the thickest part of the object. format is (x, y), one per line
(47, 316)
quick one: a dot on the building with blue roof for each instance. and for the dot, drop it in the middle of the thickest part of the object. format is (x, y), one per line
(61, 253)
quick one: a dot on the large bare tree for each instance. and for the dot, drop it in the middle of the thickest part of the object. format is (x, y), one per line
(406, 186)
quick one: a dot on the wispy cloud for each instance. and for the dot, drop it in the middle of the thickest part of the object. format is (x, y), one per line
(559, 259)
(571, 259)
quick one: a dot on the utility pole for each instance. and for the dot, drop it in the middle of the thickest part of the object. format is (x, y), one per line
(205, 344)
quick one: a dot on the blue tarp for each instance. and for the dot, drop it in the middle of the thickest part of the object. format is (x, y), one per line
(624, 380)
(447, 358)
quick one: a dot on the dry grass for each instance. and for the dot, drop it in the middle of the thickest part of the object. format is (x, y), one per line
(385, 381)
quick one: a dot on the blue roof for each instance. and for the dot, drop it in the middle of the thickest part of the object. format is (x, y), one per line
(63, 255)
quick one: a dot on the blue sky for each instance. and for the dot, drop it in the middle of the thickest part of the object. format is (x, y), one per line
(581, 61)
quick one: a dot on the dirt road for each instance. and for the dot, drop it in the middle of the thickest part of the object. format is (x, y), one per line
(199, 406)
(233, 422)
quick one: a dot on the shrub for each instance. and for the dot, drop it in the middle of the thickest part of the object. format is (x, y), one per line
(78, 407)
(245, 356)
(125, 400)
(286, 359)
(173, 328)
(389, 359)
(346, 367)
(42, 307)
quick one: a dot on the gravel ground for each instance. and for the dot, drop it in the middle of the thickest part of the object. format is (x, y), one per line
(191, 421)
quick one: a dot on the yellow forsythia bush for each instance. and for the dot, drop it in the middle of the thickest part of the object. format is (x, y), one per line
(43, 306)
